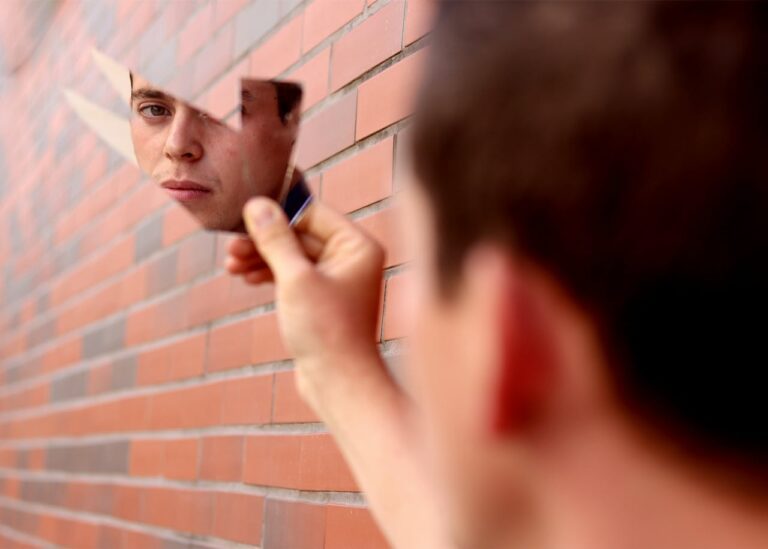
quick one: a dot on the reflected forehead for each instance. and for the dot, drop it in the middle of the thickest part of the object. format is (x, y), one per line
(258, 90)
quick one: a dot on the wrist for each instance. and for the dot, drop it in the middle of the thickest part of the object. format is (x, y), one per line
(331, 380)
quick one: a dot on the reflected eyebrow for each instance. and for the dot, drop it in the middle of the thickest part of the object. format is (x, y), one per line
(150, 93)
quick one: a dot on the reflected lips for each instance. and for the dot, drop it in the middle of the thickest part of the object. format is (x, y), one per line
(185, 191)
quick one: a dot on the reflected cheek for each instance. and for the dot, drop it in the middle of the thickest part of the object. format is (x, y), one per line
(148, 147)
(233, 152)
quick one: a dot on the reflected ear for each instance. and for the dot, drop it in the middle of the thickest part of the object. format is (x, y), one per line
(524, 379)
(292, 120)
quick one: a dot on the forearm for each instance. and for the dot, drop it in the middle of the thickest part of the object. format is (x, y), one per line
(367, 414)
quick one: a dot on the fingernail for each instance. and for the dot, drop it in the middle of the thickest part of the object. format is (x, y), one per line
(261, 214)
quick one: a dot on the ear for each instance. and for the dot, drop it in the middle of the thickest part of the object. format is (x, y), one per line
(525, 371)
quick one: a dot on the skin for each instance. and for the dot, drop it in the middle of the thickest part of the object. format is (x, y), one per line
(509, 434)
(174, 141)
(266, 140)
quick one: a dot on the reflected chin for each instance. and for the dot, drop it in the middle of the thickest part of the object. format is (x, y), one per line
(216, 223)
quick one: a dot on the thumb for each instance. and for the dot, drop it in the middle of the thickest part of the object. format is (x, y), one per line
(274, 238)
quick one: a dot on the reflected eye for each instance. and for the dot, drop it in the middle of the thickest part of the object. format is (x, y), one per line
(154, 111)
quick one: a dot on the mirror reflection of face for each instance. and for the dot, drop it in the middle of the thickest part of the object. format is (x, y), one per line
(195, 158)
(206, 166)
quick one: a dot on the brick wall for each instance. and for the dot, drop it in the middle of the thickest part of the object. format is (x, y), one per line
(145, 397)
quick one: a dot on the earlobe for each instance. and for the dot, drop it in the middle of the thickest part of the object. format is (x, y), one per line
(526, 359)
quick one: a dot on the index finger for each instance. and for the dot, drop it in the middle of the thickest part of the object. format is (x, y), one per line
(242, 247)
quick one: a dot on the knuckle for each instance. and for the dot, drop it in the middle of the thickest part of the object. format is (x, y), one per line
(375, 251)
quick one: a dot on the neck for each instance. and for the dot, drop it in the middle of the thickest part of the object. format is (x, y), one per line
(604, 487)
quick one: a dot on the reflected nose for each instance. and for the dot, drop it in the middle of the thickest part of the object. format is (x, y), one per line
(183, 143)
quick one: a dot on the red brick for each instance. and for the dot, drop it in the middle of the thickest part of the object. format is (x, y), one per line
(117, 258)
(247, 400)
(419, 18)
(132, 287)
(278, 53)
(13, 487)
(308, 462)
(95, 168)
(222, 458)
(313, 76)
(93, 204)
(181, 457)
(176, 15)
(207, 300)
(288, 404)
(230, 346)
(385, 226)
(324, 17)
(217, 53)
(91, 497)
(360, 180)
(272, 460)
(184, 510)
(197, 406)
(224, 97)
(103, 303)
(158, 320)
(373, 41)
(226, 9)
(147, 457)
(323, 467)
(147, 198)
(178, 223)
(352, 527)
(195, 33)
(196, 256)
(128, 502)
(254, 340)
(389, 96)
(178, 360)
(198, 507)
(61, 355)
(36, 459)
(327, 132)
(132, 538)
(126, 414)
(291, 524)
(238, 517)
(72, 533)
(141, 17)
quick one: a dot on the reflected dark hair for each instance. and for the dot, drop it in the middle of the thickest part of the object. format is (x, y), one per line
(622, 147)
(288, 98)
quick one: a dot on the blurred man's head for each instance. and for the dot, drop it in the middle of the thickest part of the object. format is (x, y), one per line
(597, 184)
(199, 160)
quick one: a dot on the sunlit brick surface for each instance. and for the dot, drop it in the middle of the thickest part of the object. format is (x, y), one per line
(145, 397)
